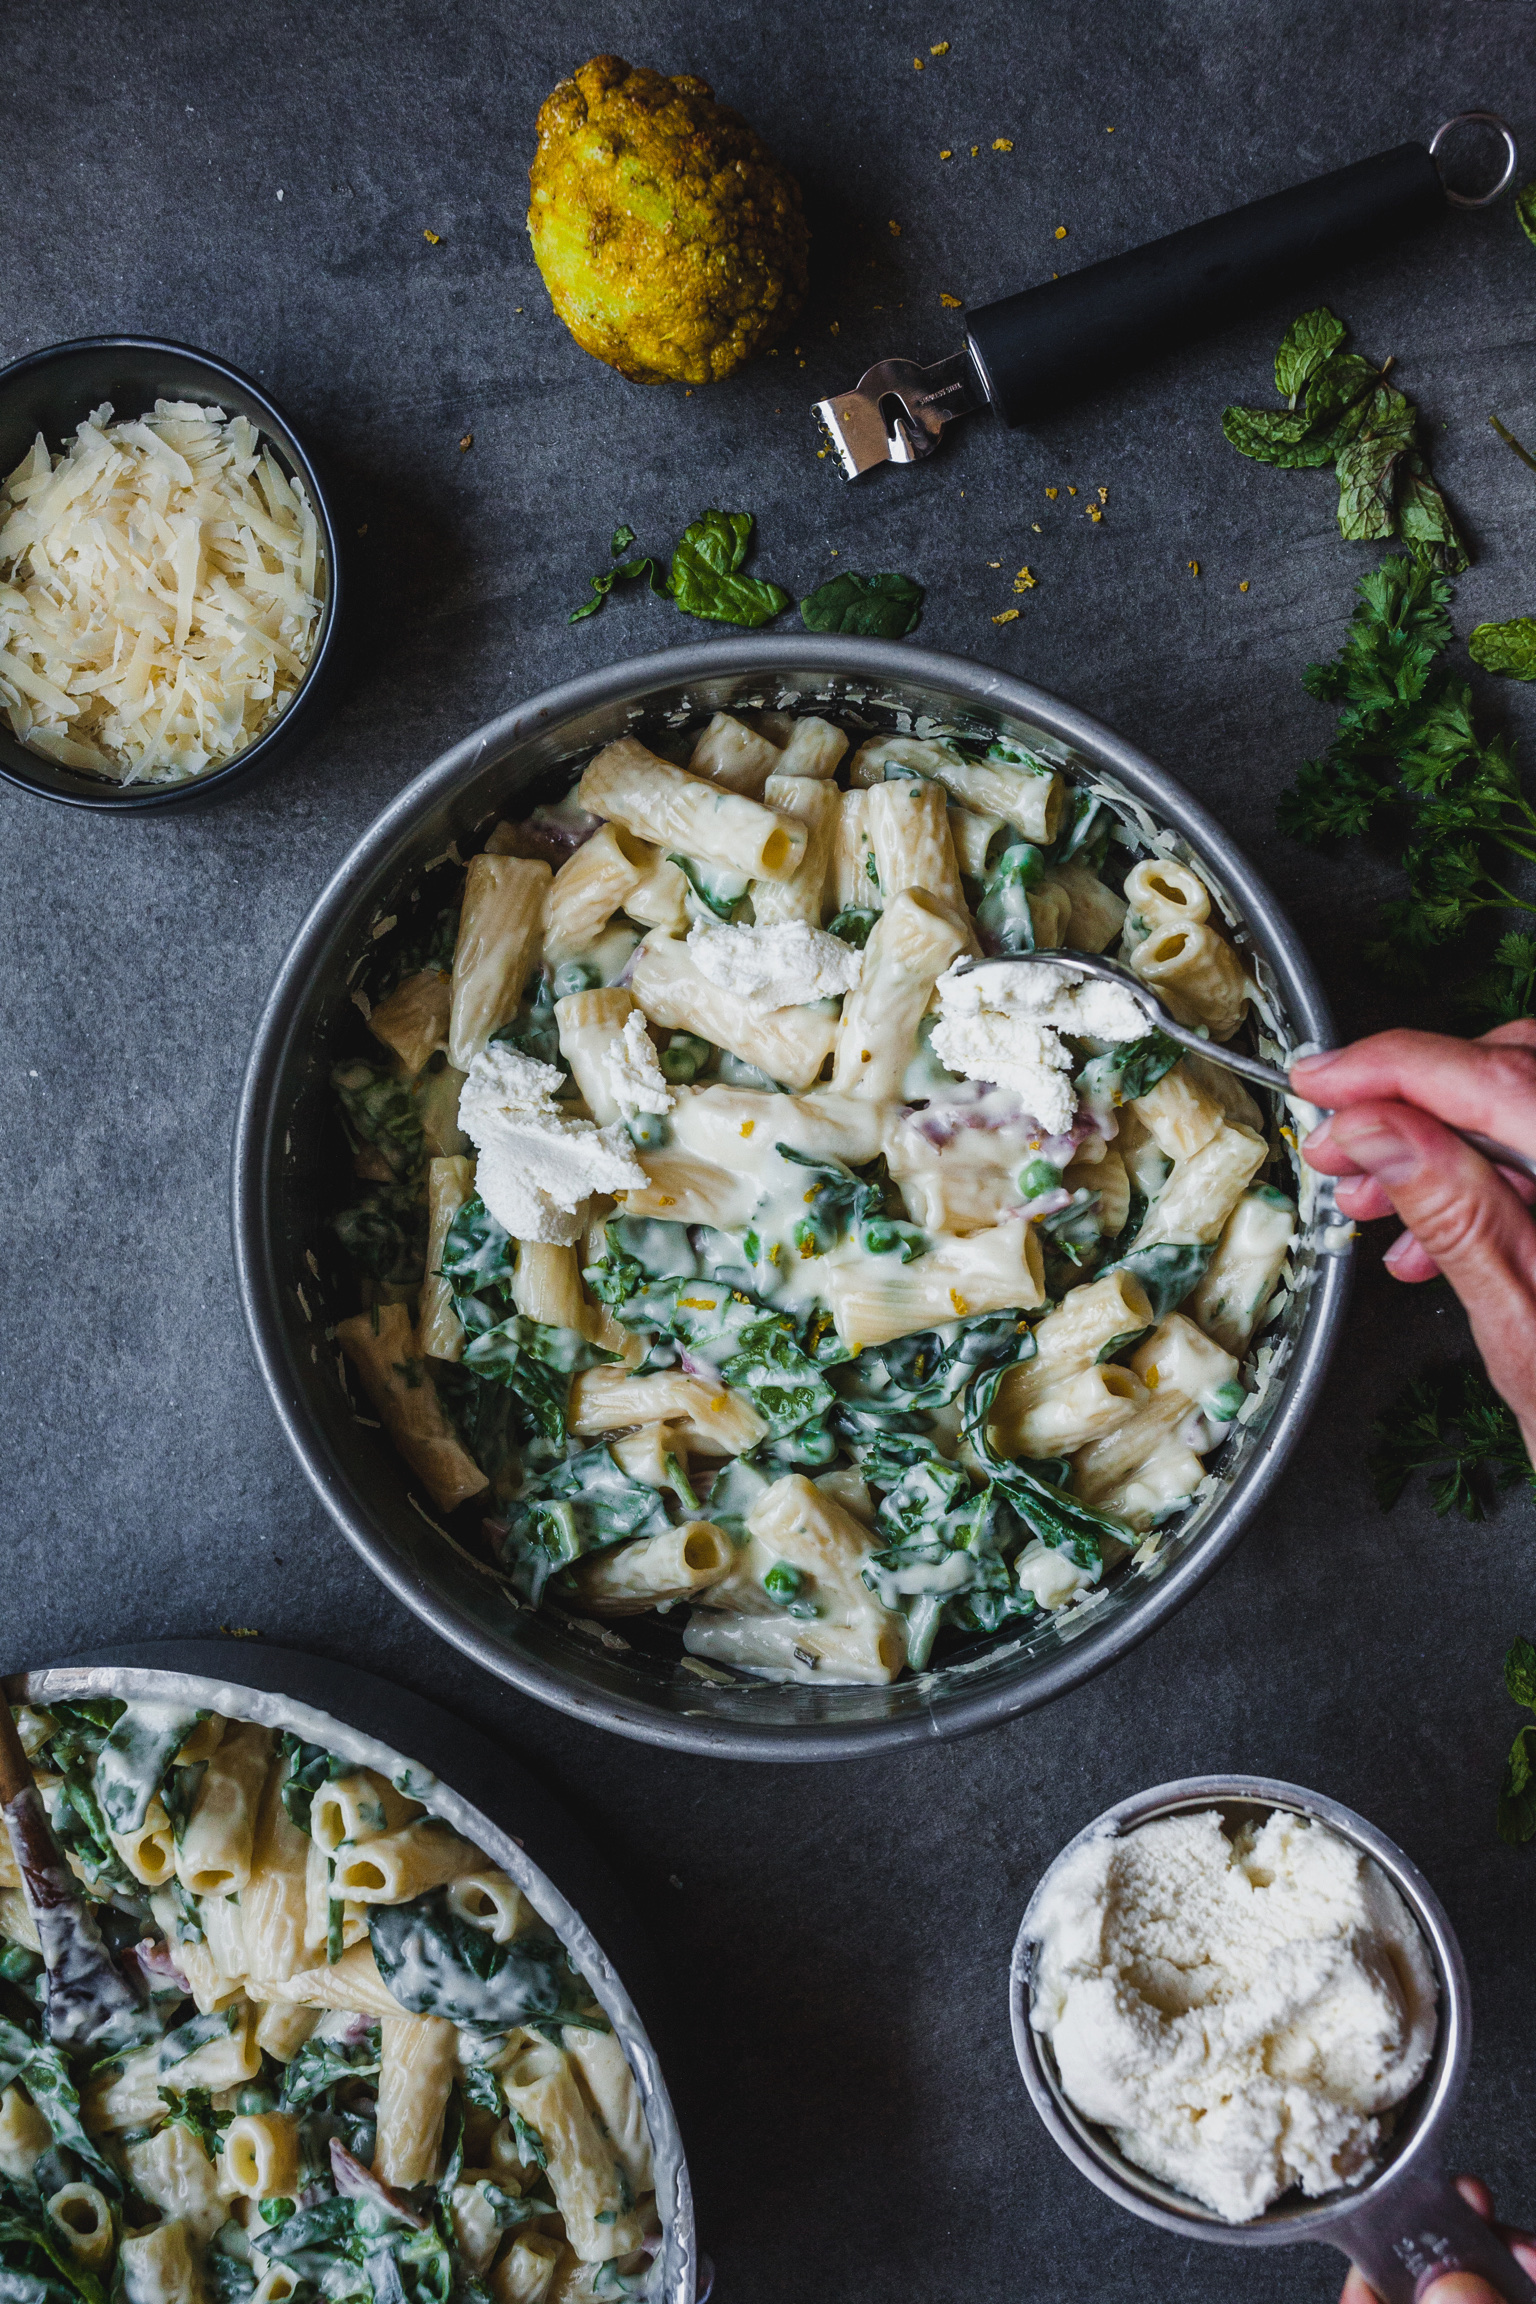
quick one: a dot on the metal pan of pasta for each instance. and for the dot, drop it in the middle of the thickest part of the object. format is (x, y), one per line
(384, 2059)
(704, 1293)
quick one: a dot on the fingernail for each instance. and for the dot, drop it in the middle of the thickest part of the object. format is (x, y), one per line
(1376, 1148)
(1318, 1137)
(1398, 1250)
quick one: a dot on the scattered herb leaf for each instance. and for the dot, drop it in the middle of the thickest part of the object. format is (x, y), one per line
(1517, 1793)
(1525, 208)
(1507, 647)
(877, 607)
(1454, 1427)
(705, 579)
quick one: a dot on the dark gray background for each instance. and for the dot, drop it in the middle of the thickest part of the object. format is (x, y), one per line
(838, 1937)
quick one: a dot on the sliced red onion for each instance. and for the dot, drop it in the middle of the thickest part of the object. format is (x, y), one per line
(1045, 1203)
(355, 2182)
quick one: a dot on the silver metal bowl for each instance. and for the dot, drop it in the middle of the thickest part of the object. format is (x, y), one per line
(683, 2278)
(293, 1287)
(1405, 2224)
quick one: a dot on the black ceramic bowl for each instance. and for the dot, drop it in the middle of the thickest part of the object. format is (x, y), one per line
(51, 392)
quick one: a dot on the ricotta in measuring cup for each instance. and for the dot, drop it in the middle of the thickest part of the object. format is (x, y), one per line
(1243, 2012)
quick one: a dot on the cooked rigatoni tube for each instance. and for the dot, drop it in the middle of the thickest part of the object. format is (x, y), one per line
(908, 826)
(608, 2083)
(83, 2218)
(590, 2193)
(722, 1124)
(381, 1346)
(351, 1809)
(1161, 893)
(273, 1904)
(450, 1185)
(491, 1902)
(590, 887)
(161, 2267)
(227, 2061)
(417, 2063)
(728, 752)
(546, 1285)
(975, 836)
(627, 1579)
(353, 1982)
(526, 2272)
(717, 1422)
(500, 931)
(1197, 973)
(261, 2155)
(912, 943)
(1030, 799)
(876, 1299)
(814, 749)
(1107, 1314)
(1079, 1409)
(687, 1190)
(1201, 1192)
(961, 1186)
(396, 1866)
(214, 1858)
(591, 1027)
(116, 2097)
(24, 2135)
(413, 1021)
(1182, 1370)
(149, 1851)
(680, 812)
(855, 879)
(1167, 1477)
(1098, 914)
(798, 1526)
(789, 1044)
(802, 896)
(1179, 1114)
(1241, 1276)
(282, 2029)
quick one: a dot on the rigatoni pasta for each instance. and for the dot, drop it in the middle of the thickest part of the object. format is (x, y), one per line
(308, 2120)
(741, 1200)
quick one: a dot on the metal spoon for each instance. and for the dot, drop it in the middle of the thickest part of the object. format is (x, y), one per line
(1251, 1068)
(90, 2002)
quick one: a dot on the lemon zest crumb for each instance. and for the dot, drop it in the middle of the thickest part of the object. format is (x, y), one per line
(1008, 616)
(939, 48)
(1002, 143)
(435, 238)
(1061, 231)
(950, 303)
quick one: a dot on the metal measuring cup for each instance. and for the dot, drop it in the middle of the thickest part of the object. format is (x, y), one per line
(1406, 2224)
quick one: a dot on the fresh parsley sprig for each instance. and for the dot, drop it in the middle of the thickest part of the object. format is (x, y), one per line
(1406, 758)
(1454, 1427)
(1339, 410)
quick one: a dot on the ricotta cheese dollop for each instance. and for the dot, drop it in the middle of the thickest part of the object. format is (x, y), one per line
(634, 1071)
(1004, 1024)
(1240, 2012)
(785, 966)
(535, 1169)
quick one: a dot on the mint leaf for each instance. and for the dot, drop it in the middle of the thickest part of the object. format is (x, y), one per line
(1304, 347)
(1525, 208)
(1268, 435)
(1367, 467)
(1507, 647)
(1517, 1793)
(1520, 1673)
(1423, 520)
(877, 607)
(704, 579)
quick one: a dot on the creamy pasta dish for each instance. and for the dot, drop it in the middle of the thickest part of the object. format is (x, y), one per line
(364, 2066)
(743, 1237)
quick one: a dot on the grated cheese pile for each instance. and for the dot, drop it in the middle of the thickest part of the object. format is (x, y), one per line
(157, 593)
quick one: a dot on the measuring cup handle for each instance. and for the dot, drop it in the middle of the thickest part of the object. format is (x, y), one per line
(1405, 2235)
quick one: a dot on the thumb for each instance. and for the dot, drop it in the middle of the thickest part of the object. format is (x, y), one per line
(1461, 2288)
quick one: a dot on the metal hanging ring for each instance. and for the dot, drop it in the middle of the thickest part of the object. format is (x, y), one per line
(1512, 162)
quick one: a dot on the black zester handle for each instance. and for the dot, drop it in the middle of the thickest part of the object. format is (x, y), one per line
(1048, 345)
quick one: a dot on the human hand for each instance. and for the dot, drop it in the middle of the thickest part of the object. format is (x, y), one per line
(1386, 1139)
(1459, 2287)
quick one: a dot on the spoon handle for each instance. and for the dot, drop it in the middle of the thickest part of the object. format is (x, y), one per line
(1408, 2232)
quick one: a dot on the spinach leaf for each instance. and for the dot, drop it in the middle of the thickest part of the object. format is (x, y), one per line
(322, 2065)
(853, 925)
(380, 1116)
(437, 1963)
(535, 1361)
(1168, 1270)
(649, 571)
(1507, 647)
(786, 1388)
(580, 1505)
(1122, 1074)
(1046, 1507)
(477, 1253)
(45, 2072)
(385, 1234)
(930, 1369)
(197, 2032)
(135, 1757)
(309, 1766)
(533, 1030)
(704, 579)
(1003, 915)
(721, 892)
(881, 607)
(636, 1276)
(839, 1202)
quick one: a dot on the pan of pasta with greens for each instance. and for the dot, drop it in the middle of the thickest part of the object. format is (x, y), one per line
(376, 2055)
(709, 1292)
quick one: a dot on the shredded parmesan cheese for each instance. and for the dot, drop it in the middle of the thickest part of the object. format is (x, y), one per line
(158, 599)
